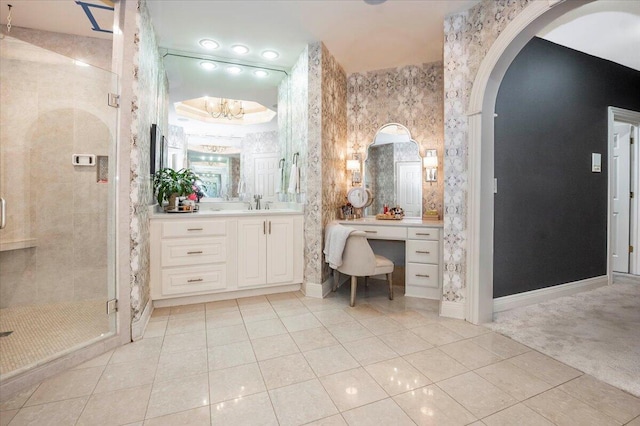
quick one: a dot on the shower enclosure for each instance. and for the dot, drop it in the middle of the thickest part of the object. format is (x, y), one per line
(57, 168)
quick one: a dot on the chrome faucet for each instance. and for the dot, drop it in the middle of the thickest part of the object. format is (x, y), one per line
(257, 198)
(250, 206)
(266, 205)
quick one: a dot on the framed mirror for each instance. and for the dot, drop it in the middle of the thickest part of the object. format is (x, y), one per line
(393, 171)
(233, 115)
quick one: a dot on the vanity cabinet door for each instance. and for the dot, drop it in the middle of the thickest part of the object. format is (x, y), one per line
(252, 252)
(265, 251)
(279, 250)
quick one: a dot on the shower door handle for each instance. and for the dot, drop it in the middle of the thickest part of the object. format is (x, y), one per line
(3, 213)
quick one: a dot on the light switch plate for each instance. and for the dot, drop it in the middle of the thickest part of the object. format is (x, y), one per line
(596, 162)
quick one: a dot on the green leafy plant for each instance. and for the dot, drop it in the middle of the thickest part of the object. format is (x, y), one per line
(168, 182)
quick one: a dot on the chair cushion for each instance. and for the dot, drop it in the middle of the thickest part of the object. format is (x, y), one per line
(383, 265)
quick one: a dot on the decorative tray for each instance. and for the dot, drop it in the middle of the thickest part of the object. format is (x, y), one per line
(383, 216)
(181, 210)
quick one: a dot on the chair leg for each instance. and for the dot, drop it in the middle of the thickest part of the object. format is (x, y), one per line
(390, 279)
(366, 281)
(354, 285)
(336, 279)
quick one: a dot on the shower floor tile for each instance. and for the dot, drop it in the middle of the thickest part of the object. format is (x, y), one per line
(43, 332)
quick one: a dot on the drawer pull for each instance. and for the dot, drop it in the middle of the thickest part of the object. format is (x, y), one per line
(194, 229)
(423, 252)
(194, 252)
(423, 233)
(422, 275)
(195, 280)
(371, 232)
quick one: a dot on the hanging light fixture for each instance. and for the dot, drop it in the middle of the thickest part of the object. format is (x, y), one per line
(226, 108)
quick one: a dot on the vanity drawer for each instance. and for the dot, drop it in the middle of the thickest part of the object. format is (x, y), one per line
(422, 275)
(183, 281)
(188, 228)
(423, 233)
(193, 251)
(423, 251)
(383, 232)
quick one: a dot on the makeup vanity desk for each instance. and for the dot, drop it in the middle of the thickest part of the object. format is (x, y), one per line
(422, 256)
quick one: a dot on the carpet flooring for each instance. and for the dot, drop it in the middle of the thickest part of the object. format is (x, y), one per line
(597, 332)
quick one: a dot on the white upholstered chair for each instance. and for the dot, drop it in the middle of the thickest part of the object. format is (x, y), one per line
(358, 260)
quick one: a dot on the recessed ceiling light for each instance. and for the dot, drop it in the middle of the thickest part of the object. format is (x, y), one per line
(260, 73)
(270, 54)
(208, 65)
(240, 49)
(234, 70)
(80, 63)
(209, 44)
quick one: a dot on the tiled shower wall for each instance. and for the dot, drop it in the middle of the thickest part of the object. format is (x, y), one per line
(412, 96)
(51, 109)
(468, 37)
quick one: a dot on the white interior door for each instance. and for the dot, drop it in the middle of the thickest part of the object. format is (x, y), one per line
(265, 175)
(621, 196)
(409, 187)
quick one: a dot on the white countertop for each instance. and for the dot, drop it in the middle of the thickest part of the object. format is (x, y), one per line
(210, 212)
(407, 222)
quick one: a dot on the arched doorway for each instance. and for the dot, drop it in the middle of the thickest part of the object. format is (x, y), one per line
(479, 253)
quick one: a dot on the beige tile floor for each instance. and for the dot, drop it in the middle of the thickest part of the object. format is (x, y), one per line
(289, 360)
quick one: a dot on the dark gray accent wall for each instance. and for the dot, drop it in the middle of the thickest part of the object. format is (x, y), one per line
(550, 209)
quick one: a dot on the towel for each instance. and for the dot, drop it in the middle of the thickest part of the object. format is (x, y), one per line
(279, 185)
(294, 180)
(335, 239)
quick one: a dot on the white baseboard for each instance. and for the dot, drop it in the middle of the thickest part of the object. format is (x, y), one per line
(226, 295)
(452, 309)
(138, 327)
(620, 278)
(536, 296)
(318, 290)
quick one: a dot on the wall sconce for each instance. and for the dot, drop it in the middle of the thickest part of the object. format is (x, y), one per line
(430, 162)
(354, 167)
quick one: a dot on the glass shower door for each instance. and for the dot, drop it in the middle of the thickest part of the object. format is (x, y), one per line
(57, 163)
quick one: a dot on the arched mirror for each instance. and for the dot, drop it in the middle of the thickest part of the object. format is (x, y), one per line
(393, 171)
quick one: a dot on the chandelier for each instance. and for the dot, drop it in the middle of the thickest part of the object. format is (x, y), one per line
(215, 148)
(226, 108)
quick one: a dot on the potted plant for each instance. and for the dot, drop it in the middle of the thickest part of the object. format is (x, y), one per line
(169, 184)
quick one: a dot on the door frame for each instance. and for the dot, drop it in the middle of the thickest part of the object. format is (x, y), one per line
(480, 164)
(630, 117)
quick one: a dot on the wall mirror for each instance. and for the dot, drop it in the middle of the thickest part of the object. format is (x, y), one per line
(393, 171)
(233, 115)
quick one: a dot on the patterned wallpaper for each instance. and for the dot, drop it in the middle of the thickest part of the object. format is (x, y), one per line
(410, 95)
(468, 37)
(317, 87)
(334, 142)
(150, 88)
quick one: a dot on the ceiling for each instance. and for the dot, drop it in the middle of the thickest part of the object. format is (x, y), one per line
(360, 36)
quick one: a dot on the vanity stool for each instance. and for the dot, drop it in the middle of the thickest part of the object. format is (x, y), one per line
(358, 260)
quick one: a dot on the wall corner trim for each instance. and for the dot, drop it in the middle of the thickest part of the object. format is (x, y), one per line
(452, 309)
(541, 295)
(138, 327)
(318, 290)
